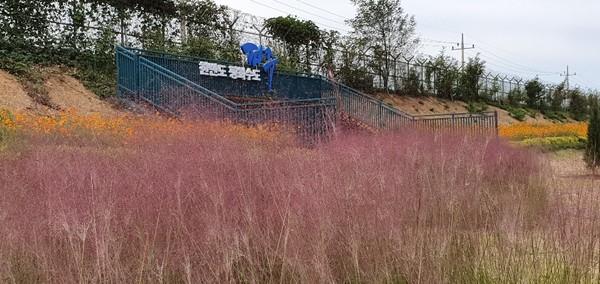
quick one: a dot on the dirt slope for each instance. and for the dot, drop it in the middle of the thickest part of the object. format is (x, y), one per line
(430, 105)
(12, 95)
(67, 92)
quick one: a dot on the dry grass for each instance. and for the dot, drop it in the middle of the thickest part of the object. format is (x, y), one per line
(188, 201)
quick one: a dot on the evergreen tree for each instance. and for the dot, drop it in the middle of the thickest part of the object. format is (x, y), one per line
(592, 150)
(578, 105)
(558, 97)
(533, 90)
(468, 80)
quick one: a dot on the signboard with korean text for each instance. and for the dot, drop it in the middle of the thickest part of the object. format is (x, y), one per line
(231, 71)
(255, 56)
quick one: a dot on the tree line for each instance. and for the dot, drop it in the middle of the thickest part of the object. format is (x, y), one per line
(378, 55)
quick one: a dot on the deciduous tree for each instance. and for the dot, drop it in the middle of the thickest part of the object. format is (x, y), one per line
(387, 30)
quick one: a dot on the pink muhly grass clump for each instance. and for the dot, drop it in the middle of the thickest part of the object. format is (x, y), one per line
(192, 208)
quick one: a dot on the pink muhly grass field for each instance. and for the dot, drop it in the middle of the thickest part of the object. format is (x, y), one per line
(402, 207)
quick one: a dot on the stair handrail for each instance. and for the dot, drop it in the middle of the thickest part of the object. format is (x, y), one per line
(211, 94)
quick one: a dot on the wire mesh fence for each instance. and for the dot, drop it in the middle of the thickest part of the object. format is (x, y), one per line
(105, 24)
(140, 78)
(167, 81)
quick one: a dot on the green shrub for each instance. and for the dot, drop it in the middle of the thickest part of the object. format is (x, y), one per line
(476, 107)
(555, 116)
(517, 113)
(555, 143)
(14, 63)
(515, 97)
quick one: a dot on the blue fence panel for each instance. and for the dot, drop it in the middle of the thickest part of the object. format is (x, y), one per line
(378, 115)
(309, 103)
(371, 111)
(127, 73)
(175, 94)
(286, 84)
(311, 119)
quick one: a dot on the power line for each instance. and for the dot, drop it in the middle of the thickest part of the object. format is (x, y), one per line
(516, 65)
(500, 64)
(439, 41)
(588, 81)
(287, 13)
(512, 66)
(495, 64)
(509, 52)
(432, 45)
(304, 11)
(323, 10)
(581, 82)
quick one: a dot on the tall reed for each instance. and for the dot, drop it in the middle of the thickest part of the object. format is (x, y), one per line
(193, 202)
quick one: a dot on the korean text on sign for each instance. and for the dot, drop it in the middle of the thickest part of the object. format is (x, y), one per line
(234, 72)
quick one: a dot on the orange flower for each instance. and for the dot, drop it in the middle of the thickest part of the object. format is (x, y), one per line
(520, 131)
(71, 125)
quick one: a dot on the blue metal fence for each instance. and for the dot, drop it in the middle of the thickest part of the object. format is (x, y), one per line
(379, 115)
(172, 83)
(287, 85)
(143, 79)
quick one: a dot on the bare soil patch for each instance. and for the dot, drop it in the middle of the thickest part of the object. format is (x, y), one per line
(431, 105)
(12, 95)
(67, 92)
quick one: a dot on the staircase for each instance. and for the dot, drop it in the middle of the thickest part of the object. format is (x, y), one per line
(309, 102)
(374, 114)
(143, 80)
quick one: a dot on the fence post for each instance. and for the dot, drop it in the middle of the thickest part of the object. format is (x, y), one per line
(136, 72)
(379, 116)
(496, 121)
(119, 62)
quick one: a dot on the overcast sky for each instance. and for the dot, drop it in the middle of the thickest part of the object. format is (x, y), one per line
(523, 38)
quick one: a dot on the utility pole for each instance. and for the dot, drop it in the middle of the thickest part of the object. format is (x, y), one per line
(462, 49)
(567, 75)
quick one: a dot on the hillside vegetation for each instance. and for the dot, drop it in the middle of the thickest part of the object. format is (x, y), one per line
(81, 35)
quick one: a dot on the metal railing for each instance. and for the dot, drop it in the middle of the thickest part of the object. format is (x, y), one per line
(379, 115)
(142, 79)
(167, 82)
(480, 123)
(287, 86)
